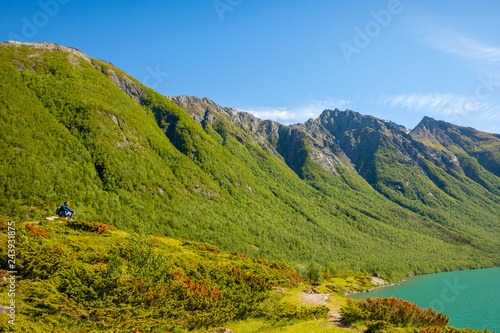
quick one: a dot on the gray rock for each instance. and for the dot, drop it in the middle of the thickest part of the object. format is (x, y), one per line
(222, 330)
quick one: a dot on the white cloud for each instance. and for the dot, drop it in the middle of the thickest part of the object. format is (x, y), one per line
(454, 43)
(440, 104)
(300, 113)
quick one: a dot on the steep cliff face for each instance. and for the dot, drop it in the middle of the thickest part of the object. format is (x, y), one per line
(295, 144)
(455, 141)
(205, 112)
(362, 137)
(335, 139)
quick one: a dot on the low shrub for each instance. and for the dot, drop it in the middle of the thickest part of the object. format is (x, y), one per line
(98, 228)
(391, 310)
(377, 326)
(33, 230)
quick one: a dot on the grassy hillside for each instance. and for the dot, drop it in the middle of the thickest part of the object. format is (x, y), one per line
(78, 129)
(79, 276)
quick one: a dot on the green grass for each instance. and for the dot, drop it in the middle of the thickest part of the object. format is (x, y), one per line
(258, 326)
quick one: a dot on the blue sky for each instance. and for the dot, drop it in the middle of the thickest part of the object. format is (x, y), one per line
(289, 60)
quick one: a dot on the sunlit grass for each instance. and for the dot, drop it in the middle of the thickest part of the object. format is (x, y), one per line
(259, 326)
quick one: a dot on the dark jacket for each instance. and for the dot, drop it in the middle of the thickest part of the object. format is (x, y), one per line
(64, 210)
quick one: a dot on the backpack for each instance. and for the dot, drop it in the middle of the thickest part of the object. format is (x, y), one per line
(59, 211)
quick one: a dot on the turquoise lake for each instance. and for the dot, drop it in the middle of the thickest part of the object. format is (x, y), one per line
(470, 298)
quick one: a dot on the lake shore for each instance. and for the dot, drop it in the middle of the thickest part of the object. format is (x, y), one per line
(373, 288)
(406, 279)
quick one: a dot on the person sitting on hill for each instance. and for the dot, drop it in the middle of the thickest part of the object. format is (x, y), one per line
(65, 212)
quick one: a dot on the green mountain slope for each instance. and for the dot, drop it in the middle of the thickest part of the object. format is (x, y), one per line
(362, 161)
(79, 129)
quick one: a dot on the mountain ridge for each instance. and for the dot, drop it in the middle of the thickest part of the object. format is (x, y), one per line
(344, 189)
(333, 132)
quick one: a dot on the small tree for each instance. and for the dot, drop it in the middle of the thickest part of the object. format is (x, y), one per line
(331, 269)
(313, 273)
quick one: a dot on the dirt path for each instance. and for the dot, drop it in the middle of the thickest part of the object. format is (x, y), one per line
(334, 316)
(318, 299)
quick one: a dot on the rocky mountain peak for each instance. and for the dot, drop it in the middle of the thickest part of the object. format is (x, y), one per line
(431, 124)
(48, 47)
(439, 130)
(205, 110)
(338, 122)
